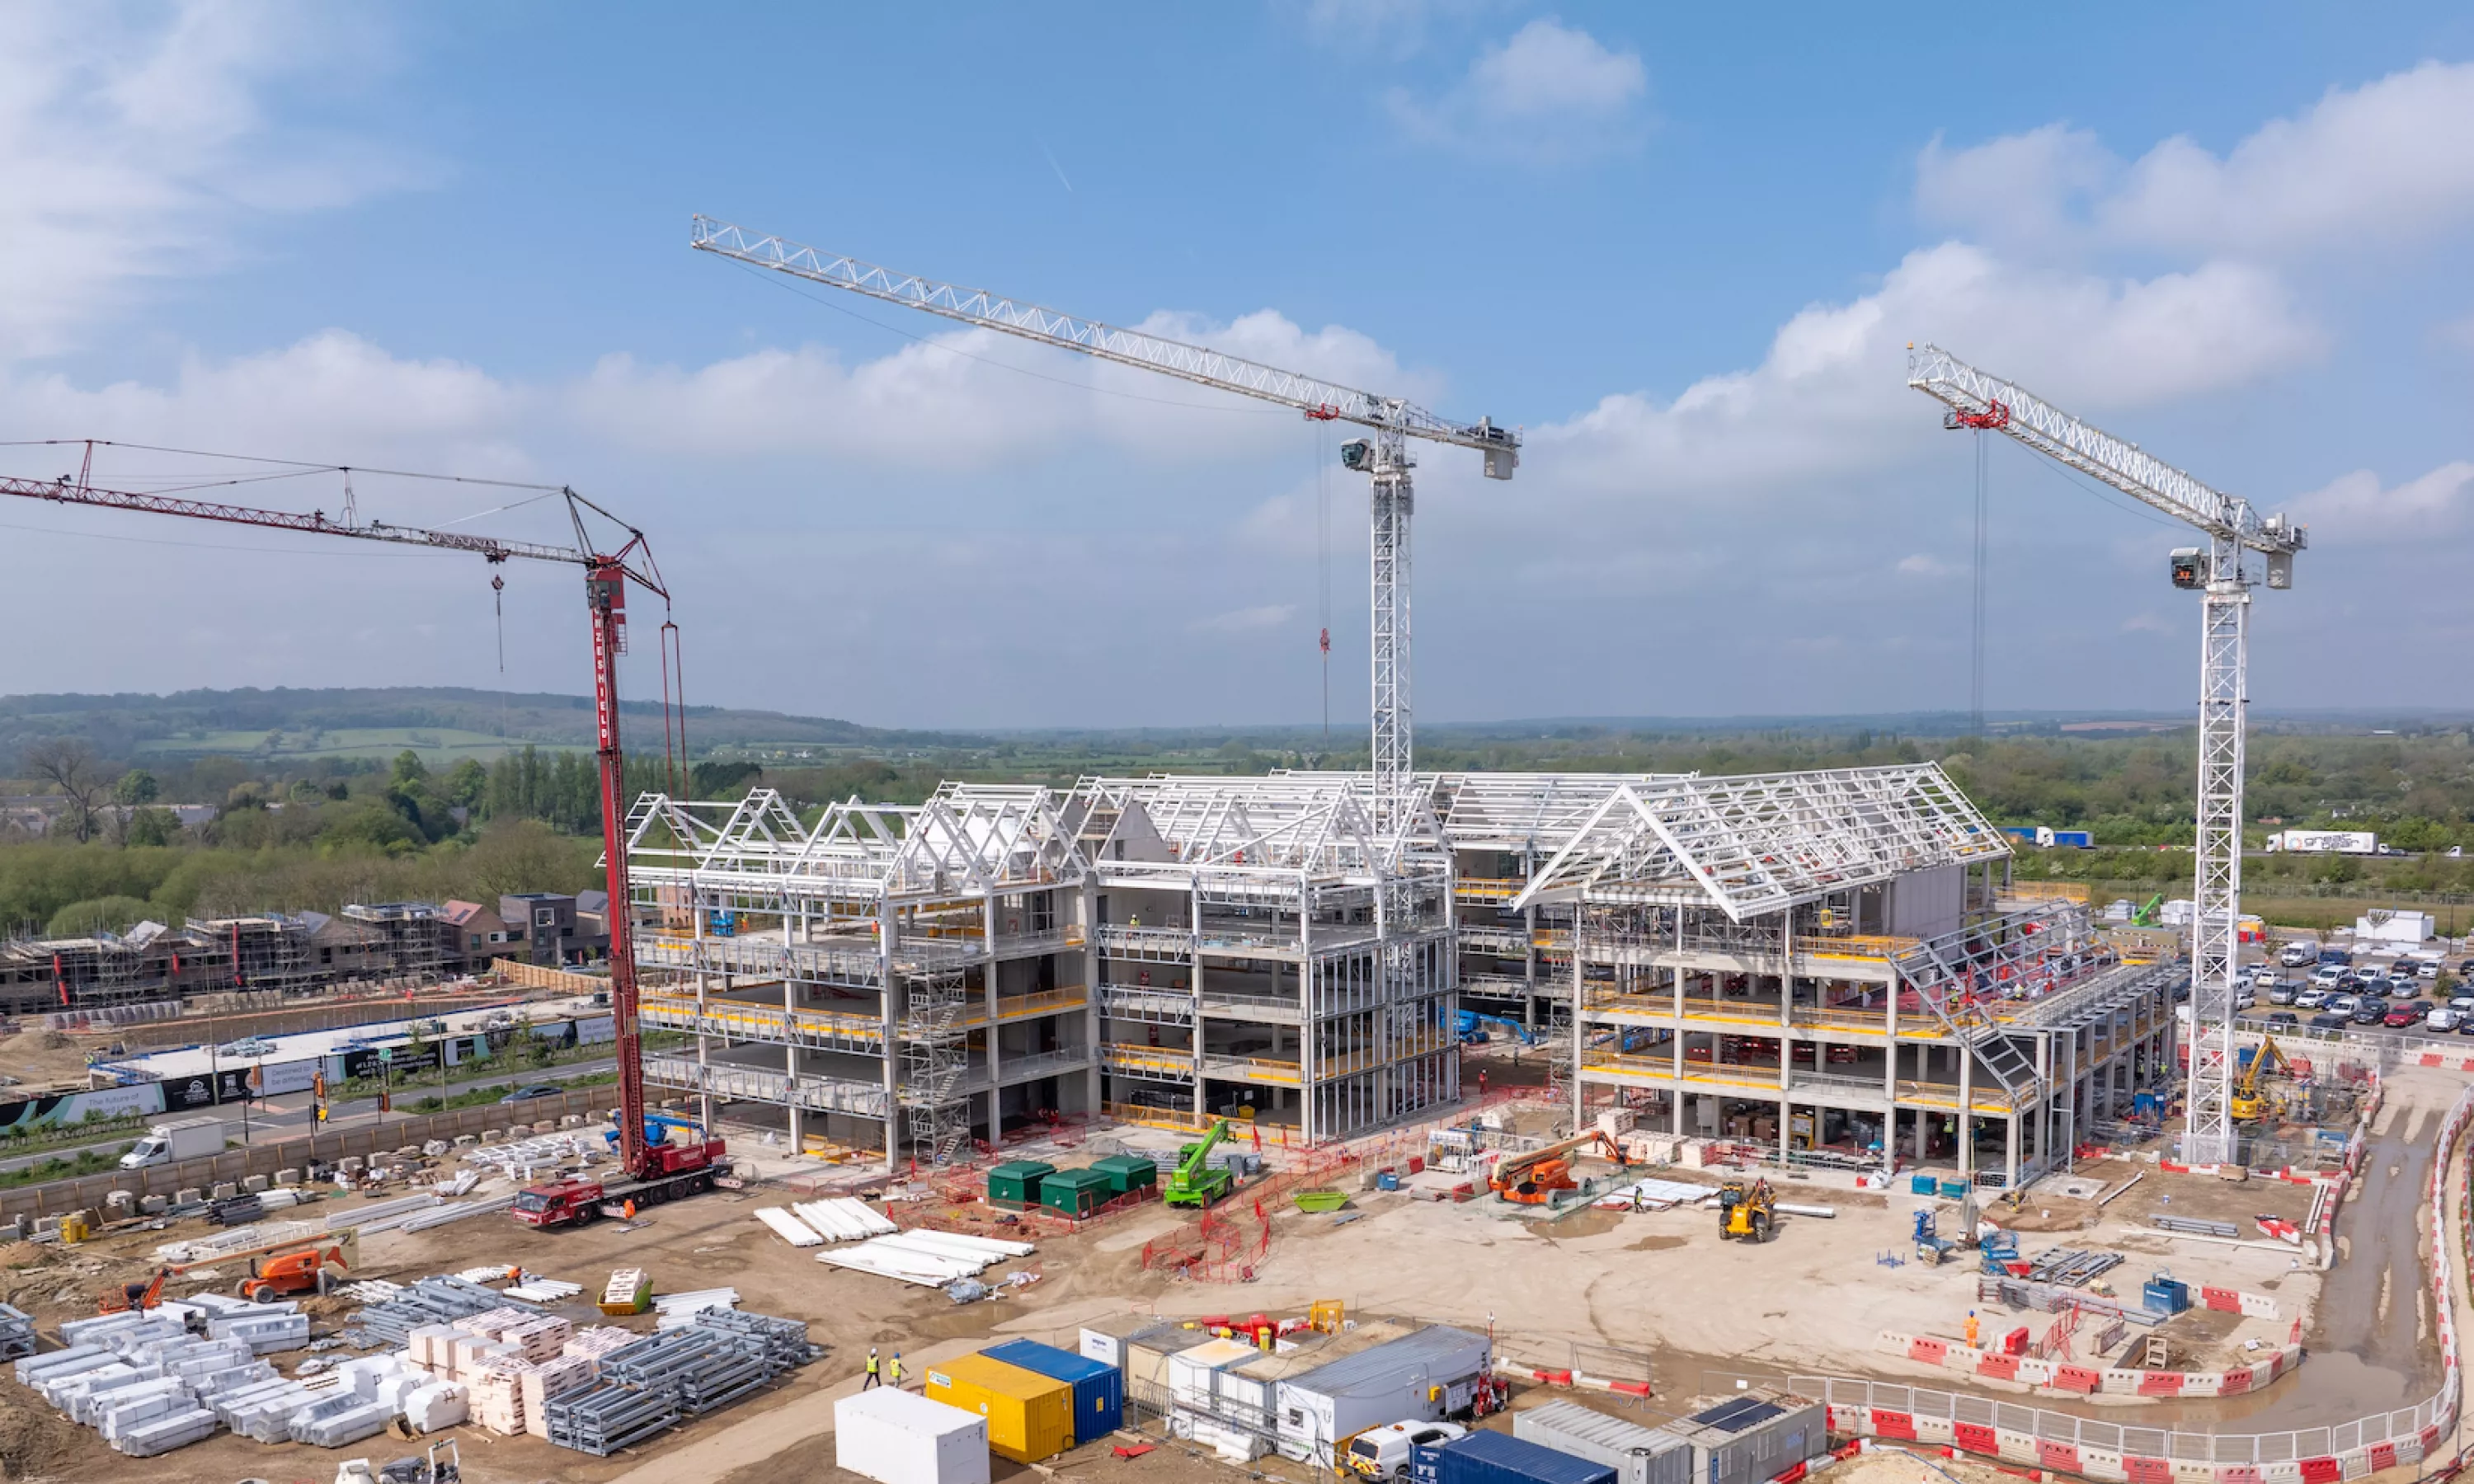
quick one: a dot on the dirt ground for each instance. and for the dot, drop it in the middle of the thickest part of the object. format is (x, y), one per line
(1656, 1283)
(43, 1060)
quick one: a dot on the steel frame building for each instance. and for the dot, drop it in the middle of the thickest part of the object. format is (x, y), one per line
(1826, 958)
(1792, 959)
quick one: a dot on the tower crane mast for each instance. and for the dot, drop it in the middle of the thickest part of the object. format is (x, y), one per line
(2222, 574)
(606, 575)
(1383, 456)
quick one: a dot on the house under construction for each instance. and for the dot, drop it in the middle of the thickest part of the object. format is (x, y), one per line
(1821, 964)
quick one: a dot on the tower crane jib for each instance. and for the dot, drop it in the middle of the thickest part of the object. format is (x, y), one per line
(2222, 575)
(1384, 458)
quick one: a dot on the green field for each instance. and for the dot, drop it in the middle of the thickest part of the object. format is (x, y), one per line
(436, 745)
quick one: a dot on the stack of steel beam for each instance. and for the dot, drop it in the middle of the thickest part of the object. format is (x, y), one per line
(784, 1341)
(432, 1301)
(17, 1332)
(603, 1419)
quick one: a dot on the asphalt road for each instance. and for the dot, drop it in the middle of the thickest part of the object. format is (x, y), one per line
(293, 1115)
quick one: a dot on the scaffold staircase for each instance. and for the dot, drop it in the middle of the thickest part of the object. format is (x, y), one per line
(935, 1057)
(1946, 973)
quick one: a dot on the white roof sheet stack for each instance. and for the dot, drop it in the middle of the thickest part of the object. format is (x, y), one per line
(931, 1259)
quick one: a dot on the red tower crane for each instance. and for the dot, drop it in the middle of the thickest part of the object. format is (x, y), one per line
(606, 575)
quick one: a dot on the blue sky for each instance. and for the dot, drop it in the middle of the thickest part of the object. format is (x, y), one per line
(1684, 252)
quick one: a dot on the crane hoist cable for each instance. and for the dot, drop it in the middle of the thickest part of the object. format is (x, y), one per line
(607, 573)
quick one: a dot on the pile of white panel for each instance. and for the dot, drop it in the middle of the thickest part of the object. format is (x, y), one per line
(457, 1211)
(265, 1328)
(374, 1216)
(844, 1219)
(231, 1239)
(788, 1228)
(929, 1259)
(526, 1159)
(537, 1289)
(142, 1380)
(680, 1308)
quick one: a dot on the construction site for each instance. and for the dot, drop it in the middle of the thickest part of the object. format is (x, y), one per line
(1448, 1126)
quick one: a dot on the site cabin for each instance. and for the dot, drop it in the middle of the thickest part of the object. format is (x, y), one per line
(686, 1169)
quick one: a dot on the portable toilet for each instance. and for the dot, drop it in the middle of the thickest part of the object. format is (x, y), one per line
(1128, 1172)
(1030, 1416)
(1015, 1184)
(1098, 1389)
(1074, 1193)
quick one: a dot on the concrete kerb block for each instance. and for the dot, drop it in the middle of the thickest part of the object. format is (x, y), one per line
(255, 1184)
(570, 1121)
(47, 1226)
(224, 1190)
(407, 1155)
(493, 1135)
(287, 1177)
(12, 1230)
(119, 1205)
(545, 1127)
(153, 1205)
(188, 1195)
(352, 1164)
(466, 1141)
(435, 1148)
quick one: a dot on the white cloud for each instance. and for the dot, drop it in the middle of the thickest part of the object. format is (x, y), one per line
(1246, 620)
(135, 148)
(2388, 163)
(2355, 509)
(1552, 93)
(1925, 566)
(1831, 398)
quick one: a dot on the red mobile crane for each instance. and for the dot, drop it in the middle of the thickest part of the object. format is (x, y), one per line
(661, 1172)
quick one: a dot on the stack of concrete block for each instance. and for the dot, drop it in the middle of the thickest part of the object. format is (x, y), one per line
(599, 1340)
(499, 1397)
(539, 1340)
(431, 1348)
(475, 1354)
(551, 1379)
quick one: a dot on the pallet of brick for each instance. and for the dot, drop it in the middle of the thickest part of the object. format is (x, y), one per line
(546, 1383)
(475, 1354)
(629, 1291)
(539, 1339)
(497, 1398)
(599, 1340)
(495, 1323)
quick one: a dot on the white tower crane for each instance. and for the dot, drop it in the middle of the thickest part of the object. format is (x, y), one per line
(2217, 571)
(1384, 456)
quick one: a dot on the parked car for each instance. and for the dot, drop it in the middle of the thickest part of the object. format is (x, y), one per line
(2426, 970)
(2345, 1004)
(2461, 1003)
(2311, 998)
(2332, 1020)
(2371, 1011)
(2326, 975)
(2293, 955)
(2283, 991)
(527, 1095)
(2404, 1013)
(2442, 1019)
(2464, 1023)
(2283, 1018)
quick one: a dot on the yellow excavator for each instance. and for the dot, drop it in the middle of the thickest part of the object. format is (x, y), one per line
(2249, 1103)
(1746, 1212)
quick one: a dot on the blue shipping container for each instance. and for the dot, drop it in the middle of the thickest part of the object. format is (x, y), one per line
(2074, 838)
(1500, 1458)
(1098, 1388)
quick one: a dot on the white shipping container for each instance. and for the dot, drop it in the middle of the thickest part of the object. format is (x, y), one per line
(896, 1437)
(1193, 1374)
(1419, 1377)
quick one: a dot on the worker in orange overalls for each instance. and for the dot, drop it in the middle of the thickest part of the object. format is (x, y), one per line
(1970, 1331)
(629, 1208)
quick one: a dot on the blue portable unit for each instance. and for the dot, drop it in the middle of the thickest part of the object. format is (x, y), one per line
(2162, 1295)
(1500, 1458)
(1098, 1388)
(1922, 1184)
(2074, 838)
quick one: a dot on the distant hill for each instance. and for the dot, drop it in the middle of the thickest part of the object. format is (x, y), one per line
(443, 723)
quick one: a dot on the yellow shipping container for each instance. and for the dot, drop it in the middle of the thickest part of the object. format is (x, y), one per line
(1031, 1417)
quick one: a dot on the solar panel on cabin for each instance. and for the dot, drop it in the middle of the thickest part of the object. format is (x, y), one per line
(1738, 1415)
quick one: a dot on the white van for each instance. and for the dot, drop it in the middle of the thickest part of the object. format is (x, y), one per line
(1383, 1452)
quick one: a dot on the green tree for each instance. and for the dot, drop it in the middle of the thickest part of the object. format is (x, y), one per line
(97, 915)
(153, 828)
(466, 784)
(135, 787)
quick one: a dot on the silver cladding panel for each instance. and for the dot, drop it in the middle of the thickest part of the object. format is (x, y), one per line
(1638, 1455)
